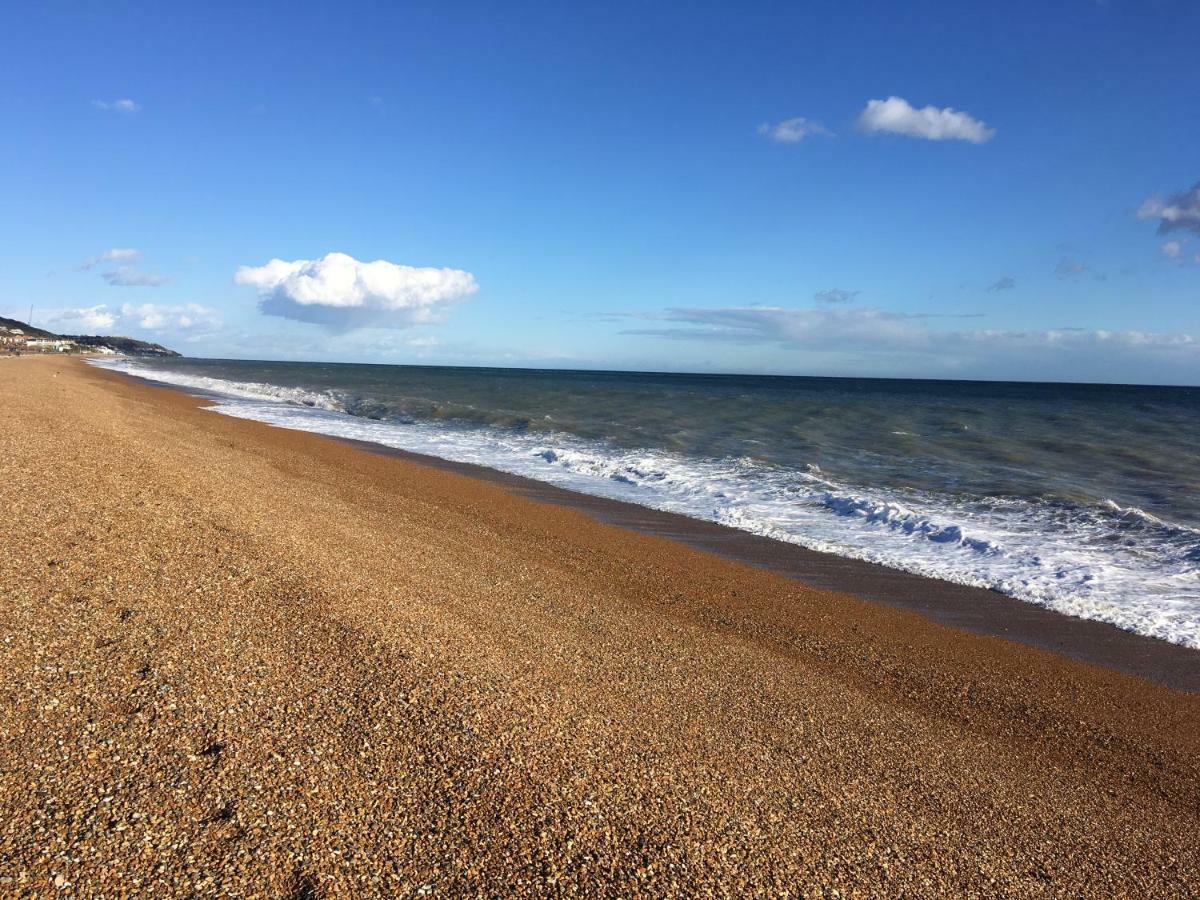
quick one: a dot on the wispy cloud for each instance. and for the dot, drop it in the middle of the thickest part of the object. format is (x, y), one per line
(793, 131)
(1069, 268)
(809, 328)
(116, 255)
(126, 106)
(835, 295)
(1179, 212)
(898, 343)
(1007, 283)
(124, 274)
(127, 276)
(895, 115)
(341, 292)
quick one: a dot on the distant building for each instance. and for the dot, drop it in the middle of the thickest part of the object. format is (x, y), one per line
(49, 345)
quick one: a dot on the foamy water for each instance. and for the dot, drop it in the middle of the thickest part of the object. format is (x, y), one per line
(1042, 534)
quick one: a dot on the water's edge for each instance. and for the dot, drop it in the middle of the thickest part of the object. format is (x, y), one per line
(970, 523)
(972, 609)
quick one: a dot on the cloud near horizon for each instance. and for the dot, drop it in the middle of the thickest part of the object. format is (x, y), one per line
(793, 131)
(895, 115)
(878, 341)
(341, 293)
(130, 319)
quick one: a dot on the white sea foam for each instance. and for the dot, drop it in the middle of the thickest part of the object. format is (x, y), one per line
(1108, 563)
(245, 390)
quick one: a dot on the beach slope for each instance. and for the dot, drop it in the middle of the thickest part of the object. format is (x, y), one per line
(237, 660)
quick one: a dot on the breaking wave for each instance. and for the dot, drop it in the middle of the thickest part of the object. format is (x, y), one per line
(1100, 561)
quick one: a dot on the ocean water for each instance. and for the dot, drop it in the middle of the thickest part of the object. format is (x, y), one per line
(1081, 498)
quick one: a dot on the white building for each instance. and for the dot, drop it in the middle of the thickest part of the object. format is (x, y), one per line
(47, 345)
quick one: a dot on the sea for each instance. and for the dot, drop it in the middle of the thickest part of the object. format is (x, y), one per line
(1081, 498)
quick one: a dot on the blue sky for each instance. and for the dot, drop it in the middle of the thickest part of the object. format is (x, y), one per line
(684, 187)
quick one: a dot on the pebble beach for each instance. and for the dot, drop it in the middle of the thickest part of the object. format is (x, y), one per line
(242, 661)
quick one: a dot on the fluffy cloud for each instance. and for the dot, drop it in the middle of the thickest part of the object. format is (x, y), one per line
(160, 317)
(133, 319)
(341, 292)
(1178, 212)
(835, 295)
(127, 276)
(875, 341)
(1007, 283)
(1172, 249)
(793, 131)
(116, 255)
(80, 319)
(895, 115)
(122, 106)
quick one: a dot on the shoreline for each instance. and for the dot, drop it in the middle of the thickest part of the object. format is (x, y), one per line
(237, 659)
(977, 610)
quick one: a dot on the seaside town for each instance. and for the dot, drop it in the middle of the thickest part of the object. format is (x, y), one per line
(16, 341)
(19, 338)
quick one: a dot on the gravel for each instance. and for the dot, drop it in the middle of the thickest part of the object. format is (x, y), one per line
(240, 661)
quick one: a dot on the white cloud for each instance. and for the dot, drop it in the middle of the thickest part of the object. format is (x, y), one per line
(159, 317)
(1179, 211)
(341, 292)
(117, 254)
(122, 106)
(80, 319)
(133, 319)
(896, 116)
(127, 276)
(879, 342)
(793, 131)
(123, 275)
(835, 295)
(1172, 249)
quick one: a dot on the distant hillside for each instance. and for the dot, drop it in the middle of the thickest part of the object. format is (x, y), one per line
(127, 345)
(28, 329)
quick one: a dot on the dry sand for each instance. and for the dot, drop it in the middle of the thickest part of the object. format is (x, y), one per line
(241, 661)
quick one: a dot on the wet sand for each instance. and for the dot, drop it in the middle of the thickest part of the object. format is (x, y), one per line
(242, 660)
